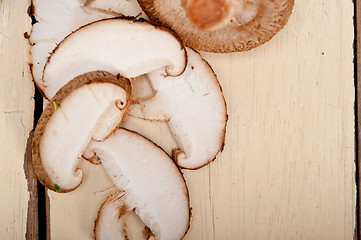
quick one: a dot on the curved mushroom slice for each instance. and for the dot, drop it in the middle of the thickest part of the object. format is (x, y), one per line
(125, 7)
(195, 107)
(91, 106)
(209, 15)
(56, 19)
(109, 223)
(153, 185)
(113, 220)
(126, 46)
(254, 22)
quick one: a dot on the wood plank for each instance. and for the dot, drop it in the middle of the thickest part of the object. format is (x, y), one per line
(32, 223)
(287, 170)
(358, 102)
(16, 121)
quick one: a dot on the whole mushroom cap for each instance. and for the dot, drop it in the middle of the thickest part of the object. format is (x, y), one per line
(271, 17)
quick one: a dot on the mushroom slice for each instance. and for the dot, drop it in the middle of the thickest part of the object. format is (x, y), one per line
(125, 7)
(153, 185)
(55, 20)
(126, 46)
(91, 106)
(110, 223)
(195, 107)
(254, 22)
(209, 15)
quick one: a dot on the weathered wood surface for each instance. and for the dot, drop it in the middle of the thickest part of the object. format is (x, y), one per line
(16, 121)
(358, 100)
(287, 170)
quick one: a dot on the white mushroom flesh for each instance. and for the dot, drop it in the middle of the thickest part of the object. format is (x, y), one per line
(70, 128)
(195, 107)
(125, 7)
(56, 19)
(123, 46)
(153, 184)
(110, 223)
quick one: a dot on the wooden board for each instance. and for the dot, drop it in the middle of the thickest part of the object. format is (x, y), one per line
(16, 121)
(358, 102)
(287, 170)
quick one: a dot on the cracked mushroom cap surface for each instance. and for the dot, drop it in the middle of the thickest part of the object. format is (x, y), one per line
(55, 20)
(254, 22)
(195, 108)
(92, 106)
(153, 186)
(126, 46)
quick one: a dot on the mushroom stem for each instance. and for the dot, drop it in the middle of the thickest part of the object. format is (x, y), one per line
(209, 15)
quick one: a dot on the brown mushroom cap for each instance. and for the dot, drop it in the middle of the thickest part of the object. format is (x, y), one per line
(271, 17)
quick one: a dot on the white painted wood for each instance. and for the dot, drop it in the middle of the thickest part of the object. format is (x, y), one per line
(16, 116)
(287, 170)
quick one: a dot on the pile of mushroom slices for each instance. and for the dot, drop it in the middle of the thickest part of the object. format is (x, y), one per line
(86, 73)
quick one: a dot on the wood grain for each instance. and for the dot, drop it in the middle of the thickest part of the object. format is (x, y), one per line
(358, 102)
(32, 223)
(16, 120)
(288, 167)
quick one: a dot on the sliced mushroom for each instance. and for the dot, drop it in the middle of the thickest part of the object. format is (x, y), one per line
(194, 105)
(55, 20)
(153, 186)
(91, 106)
(125, 7)
(126, 46)
(110, 223)
(254, 22)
